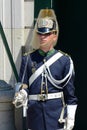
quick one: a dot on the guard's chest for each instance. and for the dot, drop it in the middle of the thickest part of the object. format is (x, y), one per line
(56, 69)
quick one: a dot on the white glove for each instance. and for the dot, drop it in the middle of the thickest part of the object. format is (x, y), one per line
(20, 98)
(71, 110)
(19, 86)
(70, 124)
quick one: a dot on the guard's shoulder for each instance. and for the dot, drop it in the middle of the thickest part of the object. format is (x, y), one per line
(28, 53)
(64, 53)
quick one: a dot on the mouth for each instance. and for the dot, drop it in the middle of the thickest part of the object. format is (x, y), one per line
(43, 41)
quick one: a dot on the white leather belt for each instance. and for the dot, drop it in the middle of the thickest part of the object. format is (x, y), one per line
(43, 97)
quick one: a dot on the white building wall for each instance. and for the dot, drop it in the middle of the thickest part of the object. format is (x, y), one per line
(28, 21)
(1, 46)
(17, 31)
(17, 18)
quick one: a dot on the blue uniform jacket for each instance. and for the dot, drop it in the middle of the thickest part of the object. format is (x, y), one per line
(44, 115)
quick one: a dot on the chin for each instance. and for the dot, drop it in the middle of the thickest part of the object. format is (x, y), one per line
(43, 44)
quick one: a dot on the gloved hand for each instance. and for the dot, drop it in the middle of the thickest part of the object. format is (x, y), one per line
(20, 98)
(19, 86)
(71, 110)
(70, 124)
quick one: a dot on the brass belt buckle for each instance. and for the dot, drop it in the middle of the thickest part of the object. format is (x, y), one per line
(42, 97)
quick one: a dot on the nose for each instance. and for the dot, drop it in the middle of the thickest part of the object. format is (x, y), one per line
(42, 35)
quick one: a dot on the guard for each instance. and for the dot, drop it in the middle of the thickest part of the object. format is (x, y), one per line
(49, 75)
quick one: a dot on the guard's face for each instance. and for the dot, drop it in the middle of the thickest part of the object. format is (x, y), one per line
(47, 40)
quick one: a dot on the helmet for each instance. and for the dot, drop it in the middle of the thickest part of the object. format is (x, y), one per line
(45, 23)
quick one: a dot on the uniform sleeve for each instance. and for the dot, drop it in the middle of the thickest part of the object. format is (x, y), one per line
(23, 74)
(69, 89)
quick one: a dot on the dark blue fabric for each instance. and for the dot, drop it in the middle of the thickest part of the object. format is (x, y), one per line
(44, 115)
(44, 30)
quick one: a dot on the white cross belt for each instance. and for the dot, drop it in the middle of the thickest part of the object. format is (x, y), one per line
(40, 69)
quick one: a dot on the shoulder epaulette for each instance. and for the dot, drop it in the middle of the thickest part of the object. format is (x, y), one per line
(64, 53)
(28, 53)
